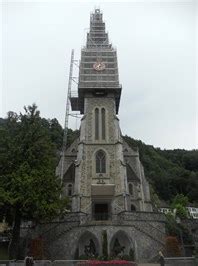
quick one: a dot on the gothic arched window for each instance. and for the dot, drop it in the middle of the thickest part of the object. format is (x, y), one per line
(130, 189)
(103, 123)
(96, 123)
(100, 162)
(69, 190)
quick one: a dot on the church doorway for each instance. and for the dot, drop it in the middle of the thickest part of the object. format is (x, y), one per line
(100, 211)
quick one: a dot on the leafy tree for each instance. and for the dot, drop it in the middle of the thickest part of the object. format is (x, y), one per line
(29, 188)
(71, 136)
(180, 199)
(55, 131)
(183, 158)
(179, 204)
(190, 160)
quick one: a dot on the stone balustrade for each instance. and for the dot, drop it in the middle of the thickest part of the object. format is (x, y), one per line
(142, 216)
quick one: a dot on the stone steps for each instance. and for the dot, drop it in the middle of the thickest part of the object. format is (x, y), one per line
(148, 234)
(57, 231)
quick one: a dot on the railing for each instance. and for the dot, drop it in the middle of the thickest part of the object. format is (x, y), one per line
(136, 219)
(142, 216)
(102, 216)
(181, 261)
(58, 227)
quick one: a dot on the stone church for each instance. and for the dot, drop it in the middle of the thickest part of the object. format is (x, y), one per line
(103, 176)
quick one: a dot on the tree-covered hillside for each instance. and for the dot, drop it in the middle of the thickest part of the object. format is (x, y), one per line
(170, 172)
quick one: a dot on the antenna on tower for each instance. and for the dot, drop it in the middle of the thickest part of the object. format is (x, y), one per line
(67, 115)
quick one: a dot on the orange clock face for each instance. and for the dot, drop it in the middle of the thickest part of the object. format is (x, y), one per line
(99, 66)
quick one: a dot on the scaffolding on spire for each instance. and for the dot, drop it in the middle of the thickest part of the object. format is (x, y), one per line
(98, 72)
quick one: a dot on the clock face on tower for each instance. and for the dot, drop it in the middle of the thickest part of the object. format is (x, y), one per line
(99, 66)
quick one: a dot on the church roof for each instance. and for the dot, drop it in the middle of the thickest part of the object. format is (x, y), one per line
(131, 175)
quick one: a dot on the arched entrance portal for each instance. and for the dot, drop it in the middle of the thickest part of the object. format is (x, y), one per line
(88, 245)
(121, 245)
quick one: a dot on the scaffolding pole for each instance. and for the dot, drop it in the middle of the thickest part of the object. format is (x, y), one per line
(67, 116)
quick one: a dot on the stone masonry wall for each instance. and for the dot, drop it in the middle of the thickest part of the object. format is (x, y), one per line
(143, 232)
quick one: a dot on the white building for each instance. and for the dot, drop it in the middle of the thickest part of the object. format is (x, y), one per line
(193, 212)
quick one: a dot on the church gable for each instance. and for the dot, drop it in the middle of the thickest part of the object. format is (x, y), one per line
(73, 148)
(70, 157)
(69, 176)
(128, 151)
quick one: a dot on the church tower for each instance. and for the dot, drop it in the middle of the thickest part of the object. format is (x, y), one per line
(102, 174)
(109, 177)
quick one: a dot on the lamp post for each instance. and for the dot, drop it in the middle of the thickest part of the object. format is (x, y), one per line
(178, 221)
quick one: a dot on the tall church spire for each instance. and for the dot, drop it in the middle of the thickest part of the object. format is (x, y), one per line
(98, 74)
(97, 37)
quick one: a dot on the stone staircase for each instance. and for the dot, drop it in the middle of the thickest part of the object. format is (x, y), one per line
(55, 232)
(149, 235)
(162, 244)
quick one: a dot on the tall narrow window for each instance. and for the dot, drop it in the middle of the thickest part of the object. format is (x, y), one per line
(103, 123)
(100, 162)
(130, 189)
(96, 123)
(69, 190)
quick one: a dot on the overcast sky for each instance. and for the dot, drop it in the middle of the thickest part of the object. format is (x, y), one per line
(156, 46)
